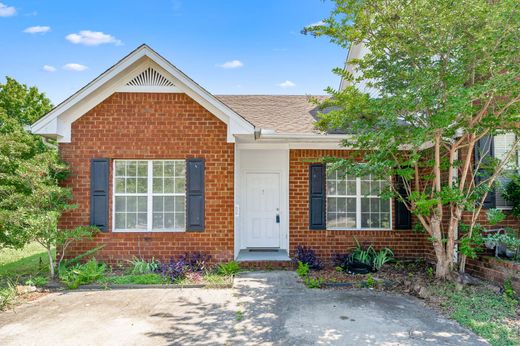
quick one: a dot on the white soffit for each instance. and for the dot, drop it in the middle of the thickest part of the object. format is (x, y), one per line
(143, 70)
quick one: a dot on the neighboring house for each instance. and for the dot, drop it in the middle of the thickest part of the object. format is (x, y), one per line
(163, 167)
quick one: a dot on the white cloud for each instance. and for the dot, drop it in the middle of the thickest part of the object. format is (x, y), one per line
(6, 11)
(37, 29)
(232, 64)
(92, 38)
(287, 84)
(320, 23)
(49, 68)
(74, 67)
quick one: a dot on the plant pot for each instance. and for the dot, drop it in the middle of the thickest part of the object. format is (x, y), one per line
(356, 267)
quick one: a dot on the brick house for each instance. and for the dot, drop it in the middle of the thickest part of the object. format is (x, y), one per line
(163, 167)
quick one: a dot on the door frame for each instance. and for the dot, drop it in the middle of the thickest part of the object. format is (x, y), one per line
(260, 160)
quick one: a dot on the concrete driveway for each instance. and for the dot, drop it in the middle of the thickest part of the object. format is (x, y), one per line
(263, 308)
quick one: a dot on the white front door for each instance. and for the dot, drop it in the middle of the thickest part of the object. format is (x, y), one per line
(262, 210)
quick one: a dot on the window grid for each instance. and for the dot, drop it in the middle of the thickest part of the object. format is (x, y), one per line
(355, 203)
(158, 205)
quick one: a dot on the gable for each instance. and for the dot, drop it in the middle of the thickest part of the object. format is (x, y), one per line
(143, 70)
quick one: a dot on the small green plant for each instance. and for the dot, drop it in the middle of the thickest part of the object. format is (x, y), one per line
(429, 272)
(509, 291)
(229, 268)
(141, 279)
(371, 282)
(379, 259)
(338, 268)
(303, 269)
(311, 282)
(239, 316)
(7, 295)
(141, 266)
(82, 274)
(37, 281)
(369, 256)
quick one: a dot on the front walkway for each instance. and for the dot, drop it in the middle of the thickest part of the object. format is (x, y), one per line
(264, 307)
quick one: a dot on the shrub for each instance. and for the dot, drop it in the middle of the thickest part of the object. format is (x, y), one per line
(196, 261)
(381, 258)
(7, 295)
(313, 282)
(303, 269)
(512, 194)
(37, 281)
(141, 266)
(174, 269)
(82, 274)
(229, 268)
(369, 256)
(308, 256)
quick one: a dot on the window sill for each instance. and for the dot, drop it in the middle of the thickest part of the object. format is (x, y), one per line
(146, 231)
(358, 229)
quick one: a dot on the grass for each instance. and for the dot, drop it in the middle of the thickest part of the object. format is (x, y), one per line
(141, 279)
(31, 260)
(488, 314)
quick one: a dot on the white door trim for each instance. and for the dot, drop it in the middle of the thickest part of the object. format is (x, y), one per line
(260, 161)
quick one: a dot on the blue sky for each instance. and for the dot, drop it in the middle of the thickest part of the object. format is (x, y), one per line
(227, 46)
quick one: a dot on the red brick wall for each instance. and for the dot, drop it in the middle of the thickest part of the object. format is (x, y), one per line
(405, 243)
(153, 126)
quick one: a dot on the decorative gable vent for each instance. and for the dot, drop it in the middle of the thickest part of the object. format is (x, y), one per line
(150, 78)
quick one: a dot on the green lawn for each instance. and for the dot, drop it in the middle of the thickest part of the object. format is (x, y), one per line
(31, 260)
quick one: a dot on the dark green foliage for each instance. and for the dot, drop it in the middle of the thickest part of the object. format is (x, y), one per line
(512, 194)
(82, 274)
(229, 268)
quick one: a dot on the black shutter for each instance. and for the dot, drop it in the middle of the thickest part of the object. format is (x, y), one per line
(403, 216)
(195, 195)
(317, 196)
(484, 149)
(99, 193)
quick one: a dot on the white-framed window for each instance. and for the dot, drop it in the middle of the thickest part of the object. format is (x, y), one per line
(502, 145)
(149, 195)
(355, 203)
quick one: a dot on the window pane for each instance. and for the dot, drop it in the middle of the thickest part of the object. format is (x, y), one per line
(142, 220)
(120, 168)
(351, 187)
(385, 220)
(157, 185)
(179, 220)
(157, 169)
(142, 185)
(142, 204)
(331, 220)
(120, 204)
(180, 202)
(120, 185)
(341, 205)
(131, 168)
(180, 169)
(131, 185)
(365, 188)
(342, 188)
(120, 221)
(331, 204)
(374, 204)
(131, 220)
(169, 220)
(158, 220)
(158, 204)
(385, 205)
(365, 220)
(168, 185)
(365, 205)
(331, 187)
(168, 204)
(131, 204)
(351, 220)
(180, 185)
(169, 169)
(351, 205)
(142, 169)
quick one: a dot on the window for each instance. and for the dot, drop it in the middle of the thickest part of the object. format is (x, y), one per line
(354, 203)
(149, 195)
(502, 145)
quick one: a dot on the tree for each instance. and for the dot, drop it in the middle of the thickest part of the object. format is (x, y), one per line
(31, 198)
(446, 75)
(26, 104)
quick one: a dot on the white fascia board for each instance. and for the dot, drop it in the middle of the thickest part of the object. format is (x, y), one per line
(107, 83)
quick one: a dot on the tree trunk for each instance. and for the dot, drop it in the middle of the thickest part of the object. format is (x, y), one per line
(444, 262)
(51, 262)
(443, 268)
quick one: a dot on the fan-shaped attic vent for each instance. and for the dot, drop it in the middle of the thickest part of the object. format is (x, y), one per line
(150, 77)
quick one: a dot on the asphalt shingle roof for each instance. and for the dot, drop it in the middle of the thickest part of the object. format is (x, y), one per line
(282, 113)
